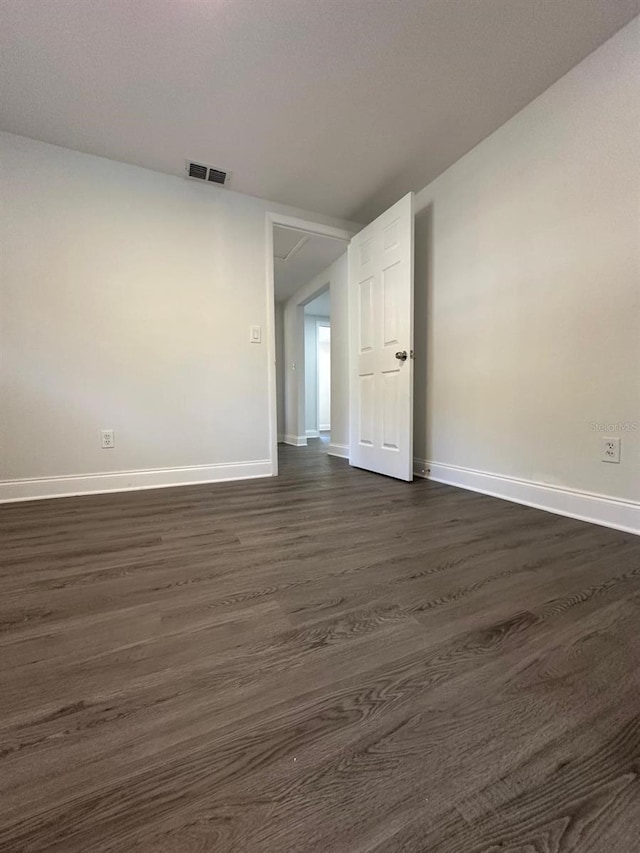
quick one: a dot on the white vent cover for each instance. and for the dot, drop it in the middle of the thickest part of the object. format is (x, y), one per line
(201, 172)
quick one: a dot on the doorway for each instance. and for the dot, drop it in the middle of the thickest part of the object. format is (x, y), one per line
(323, 336)
(305, 260)
(375, 280)
(317, 366)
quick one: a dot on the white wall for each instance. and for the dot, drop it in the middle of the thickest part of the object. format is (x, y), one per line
(336, 276)
(127, 297)
(311, 373)
(528, 288)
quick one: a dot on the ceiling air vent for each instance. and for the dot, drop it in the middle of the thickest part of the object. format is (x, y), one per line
(217, 176)
(206, 173)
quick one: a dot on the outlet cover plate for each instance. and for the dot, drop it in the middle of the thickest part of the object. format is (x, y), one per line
(108, 439)
(610, 448)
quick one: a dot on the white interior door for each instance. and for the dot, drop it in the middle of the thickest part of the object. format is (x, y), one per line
(381, 343)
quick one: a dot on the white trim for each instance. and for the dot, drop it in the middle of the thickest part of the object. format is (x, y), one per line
(296, 440)
(280, 438)
(313, 433)
(341, 450)
(126, 481)
(272, 392)
(308, 227)
(585, 506)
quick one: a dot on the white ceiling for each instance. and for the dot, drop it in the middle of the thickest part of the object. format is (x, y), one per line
(337, 106)
(314, 254)
(287, 242)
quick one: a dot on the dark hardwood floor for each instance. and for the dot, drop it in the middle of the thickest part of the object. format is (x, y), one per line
(327, 662)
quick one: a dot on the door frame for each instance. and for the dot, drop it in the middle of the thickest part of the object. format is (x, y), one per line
(310, 227)
(327, 325)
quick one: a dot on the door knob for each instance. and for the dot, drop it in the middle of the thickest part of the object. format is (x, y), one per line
(402, 356)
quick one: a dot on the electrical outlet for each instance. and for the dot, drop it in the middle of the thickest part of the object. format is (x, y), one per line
(108, 438)
(610, 449)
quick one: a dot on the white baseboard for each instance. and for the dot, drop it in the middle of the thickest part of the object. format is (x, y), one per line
(313, 433)
(324, 428)
(341, 450)
(585, 506)
(296, 440)
(280, 438)
(125, 481)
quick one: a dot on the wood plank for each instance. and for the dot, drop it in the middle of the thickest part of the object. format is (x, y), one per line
(279, 665)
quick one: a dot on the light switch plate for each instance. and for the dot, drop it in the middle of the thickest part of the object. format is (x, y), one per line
(255, 334)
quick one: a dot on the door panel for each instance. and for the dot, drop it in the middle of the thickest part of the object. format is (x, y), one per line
(366, 419)
(366, 315)
(381, 325)
(390, 421)
(391, 286)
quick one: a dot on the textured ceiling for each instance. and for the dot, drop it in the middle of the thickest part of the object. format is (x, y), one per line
(337, 106)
